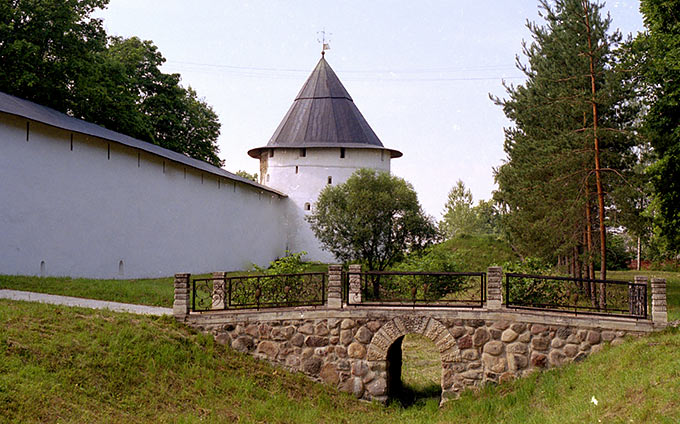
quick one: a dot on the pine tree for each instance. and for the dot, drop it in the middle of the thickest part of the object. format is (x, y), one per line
(568, 146)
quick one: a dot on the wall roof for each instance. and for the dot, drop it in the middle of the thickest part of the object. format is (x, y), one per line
(323, 115)
(26, 109)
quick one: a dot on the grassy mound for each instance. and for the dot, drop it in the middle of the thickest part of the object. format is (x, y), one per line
(64, 364)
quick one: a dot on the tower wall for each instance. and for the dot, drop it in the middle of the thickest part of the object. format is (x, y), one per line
(302, 174)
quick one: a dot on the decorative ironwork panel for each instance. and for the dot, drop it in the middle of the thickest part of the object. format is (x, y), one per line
(421, 289)
(579, 295)
(259, 291)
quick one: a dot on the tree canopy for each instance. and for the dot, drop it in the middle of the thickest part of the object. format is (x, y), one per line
(373, 217)
(656, 53)
(53, 52)
(461, 217)
(569, 147)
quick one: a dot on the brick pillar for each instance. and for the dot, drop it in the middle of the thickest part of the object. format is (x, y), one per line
(659, 311)
(180, 307)
(334, 299)
(354, 295)
(494, 286)
(219, 290)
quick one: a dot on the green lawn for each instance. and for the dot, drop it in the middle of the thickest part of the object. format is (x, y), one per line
(73, 365)
(154, 292)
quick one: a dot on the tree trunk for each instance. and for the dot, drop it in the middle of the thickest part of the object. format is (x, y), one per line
(598, 177)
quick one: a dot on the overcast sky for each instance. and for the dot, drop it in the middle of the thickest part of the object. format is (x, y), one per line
(419, 71)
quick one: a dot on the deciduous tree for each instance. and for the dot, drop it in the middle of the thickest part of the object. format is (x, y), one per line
(373, 217)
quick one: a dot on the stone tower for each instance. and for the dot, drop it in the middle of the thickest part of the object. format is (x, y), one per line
(322, 140)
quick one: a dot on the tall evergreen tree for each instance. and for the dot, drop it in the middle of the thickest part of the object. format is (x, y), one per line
(569, 146)
(657, 54)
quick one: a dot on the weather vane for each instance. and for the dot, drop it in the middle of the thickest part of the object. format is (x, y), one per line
(325, 43)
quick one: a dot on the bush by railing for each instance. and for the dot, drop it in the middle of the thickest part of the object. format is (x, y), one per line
(259, 291)
(421, 288)
(581, 295)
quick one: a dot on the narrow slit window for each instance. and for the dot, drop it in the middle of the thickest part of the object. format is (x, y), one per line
(303, 153)
(71, 141)
(108, 151)
(121, 268)
(271, 153)
(164, 167)
(27, 129)
(308, 207)
(330, 180)
(342, 153)
(42, 268)
(297, 169)
(139, 163)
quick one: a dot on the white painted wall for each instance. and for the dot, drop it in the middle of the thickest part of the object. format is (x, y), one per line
(82, 212)
(304, 185)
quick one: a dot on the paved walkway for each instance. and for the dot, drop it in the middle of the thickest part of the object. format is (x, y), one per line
(85, 303)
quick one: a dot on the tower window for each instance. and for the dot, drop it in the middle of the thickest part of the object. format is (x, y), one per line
(330, 180)
(271, 153)
(297, 169)
(342, 153)
(303, 153)
(308, 207)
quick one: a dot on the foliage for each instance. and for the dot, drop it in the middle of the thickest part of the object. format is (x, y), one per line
(656, 60)
(56, 54)
(247, 175)
(429, 259)
(563, 116)
(528, 291)
(290, 263)
(618, 257)
(460, 217)
(373, 217)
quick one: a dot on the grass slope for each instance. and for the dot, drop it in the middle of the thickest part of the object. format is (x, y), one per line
(477, 252)
(64, 364)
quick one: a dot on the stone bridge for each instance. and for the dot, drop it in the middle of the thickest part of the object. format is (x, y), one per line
(358, 348)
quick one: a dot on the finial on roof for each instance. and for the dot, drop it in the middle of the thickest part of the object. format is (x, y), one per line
(325, 43)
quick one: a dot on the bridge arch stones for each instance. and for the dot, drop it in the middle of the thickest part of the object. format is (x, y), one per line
(384, 351)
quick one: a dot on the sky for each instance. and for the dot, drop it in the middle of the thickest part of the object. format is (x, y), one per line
(419, 71)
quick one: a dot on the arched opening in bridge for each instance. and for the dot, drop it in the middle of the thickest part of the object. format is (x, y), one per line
(414, 370)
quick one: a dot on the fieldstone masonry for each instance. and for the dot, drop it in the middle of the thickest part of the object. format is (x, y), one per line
(358, 349)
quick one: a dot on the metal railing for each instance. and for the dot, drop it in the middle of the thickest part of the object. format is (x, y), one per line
(258, 291)
(422, 289)
(577, 295)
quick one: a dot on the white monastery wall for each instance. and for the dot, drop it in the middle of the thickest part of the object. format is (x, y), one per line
(81, 210)
(303, 177)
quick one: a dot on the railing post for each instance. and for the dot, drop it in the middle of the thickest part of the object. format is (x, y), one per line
(354, 294)
(637, 302)
(218, 290)
(180, 306)
(334, 298)
(659, 311)
(494, 284)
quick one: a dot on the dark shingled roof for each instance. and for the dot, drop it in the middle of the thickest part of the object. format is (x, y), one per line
(323, 115)
(35, 112)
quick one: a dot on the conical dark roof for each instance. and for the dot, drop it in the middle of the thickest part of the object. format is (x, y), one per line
(323, 115)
